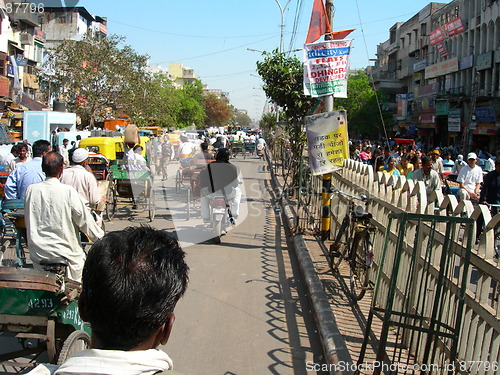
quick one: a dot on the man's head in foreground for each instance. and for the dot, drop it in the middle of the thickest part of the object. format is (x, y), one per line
(131, 282)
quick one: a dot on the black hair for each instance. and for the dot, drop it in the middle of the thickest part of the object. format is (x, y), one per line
(39, 147)
(223, 154)
(425, 160)
(131, 282)
(52, 163)
(204, 146)
(15, 148)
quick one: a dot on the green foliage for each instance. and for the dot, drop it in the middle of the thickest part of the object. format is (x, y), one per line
(190, 111)
(283, 84)
(361, 105)
(242, 119)
(268, 123)
(93, 74)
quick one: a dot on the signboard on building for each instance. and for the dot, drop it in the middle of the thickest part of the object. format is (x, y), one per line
(441, 47)
(402, 107)
(419, 65)
(485, 115)
(454, 120)
(454, 27)
(442, 68)
(484, 61)
(441, 107)
(325, 68)
(437, 36)
(466, 62)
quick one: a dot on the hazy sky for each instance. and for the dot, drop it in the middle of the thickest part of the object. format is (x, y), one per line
(212, 36)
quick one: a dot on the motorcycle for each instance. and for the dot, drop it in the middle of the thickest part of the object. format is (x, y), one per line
(260, 151)
(220, 216)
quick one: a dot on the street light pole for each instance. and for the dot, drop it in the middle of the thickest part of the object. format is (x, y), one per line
(282, 10)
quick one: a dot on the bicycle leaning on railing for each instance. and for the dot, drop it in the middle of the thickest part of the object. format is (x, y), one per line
(353, 243)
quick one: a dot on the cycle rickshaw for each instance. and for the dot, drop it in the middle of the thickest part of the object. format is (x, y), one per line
(187, 178)
(40, 309)
(238, 147)
(131, 187)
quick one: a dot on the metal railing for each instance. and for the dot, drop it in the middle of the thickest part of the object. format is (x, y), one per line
(478, 339)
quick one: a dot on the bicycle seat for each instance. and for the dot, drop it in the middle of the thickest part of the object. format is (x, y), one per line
(360, 213)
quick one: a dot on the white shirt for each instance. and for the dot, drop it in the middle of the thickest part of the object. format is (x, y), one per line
(186, 148)
(138, 162)
(64, 151)
(110, 362)
(55, 213)
(470, 177)
(84, 182)
(8, 158)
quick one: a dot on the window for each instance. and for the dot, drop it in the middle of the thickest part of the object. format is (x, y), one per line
(423, 29)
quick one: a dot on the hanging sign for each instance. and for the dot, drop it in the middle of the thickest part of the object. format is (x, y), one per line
(325, 68)
(327, 141)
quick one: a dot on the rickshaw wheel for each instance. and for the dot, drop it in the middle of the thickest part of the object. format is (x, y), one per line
(151, 204)
(178, 182)
(114, 206)
(188, 203)
(109, 203)
(76, 342)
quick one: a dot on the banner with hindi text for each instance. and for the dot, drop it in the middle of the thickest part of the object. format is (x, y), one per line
(327, 141)
(326, 65)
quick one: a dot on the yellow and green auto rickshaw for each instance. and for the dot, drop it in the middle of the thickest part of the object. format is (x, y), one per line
(112, 148)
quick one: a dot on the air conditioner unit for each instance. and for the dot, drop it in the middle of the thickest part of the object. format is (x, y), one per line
(26, 38)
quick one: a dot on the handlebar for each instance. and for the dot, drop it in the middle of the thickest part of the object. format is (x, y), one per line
(362, 197)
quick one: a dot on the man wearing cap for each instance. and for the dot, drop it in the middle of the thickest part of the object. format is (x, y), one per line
(470, 179)
(459, 164)
(81, 179)
(437, 162)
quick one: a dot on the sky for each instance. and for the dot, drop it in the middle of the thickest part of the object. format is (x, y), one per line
(213, 36)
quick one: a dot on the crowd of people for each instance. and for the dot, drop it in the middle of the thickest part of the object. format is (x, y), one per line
(477, 175)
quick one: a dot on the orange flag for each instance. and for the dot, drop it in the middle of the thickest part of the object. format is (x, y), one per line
(337, 35)
(319, 25)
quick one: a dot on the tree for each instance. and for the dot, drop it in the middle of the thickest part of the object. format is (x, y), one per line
(95, 73)
(242, 119)
(191, 111)
(283, 83)
(218, 112)
(361, 105)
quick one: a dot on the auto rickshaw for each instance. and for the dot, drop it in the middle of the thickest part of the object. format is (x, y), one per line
(112, 148)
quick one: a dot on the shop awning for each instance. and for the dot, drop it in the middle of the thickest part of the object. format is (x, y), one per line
(31, 104)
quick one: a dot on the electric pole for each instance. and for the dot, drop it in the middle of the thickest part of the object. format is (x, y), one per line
(327, 178)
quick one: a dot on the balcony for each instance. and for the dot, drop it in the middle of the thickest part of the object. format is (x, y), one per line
(23, 14)
(26, 39)
(387, 81)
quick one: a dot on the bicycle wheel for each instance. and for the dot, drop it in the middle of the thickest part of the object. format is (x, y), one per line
(359, 269)
(339, 247)
(76, 342)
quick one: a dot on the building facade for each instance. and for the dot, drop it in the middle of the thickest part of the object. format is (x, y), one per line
(442, 68)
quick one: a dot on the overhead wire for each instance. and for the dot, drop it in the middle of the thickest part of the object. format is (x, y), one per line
(296, 22)
(371, 75)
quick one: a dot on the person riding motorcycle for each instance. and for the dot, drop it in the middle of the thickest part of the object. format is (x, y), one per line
(220, 178)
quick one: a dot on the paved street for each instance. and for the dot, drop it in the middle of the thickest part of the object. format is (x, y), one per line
(245, 311)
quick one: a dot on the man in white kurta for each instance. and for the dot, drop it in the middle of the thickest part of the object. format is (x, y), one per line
(82, 180)
(55, 213)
